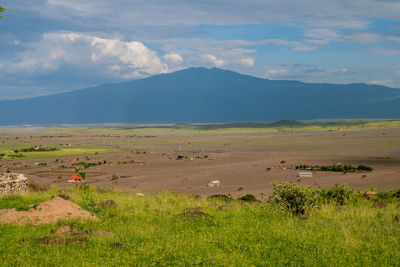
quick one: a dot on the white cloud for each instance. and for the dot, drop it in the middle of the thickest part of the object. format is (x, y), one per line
(248, 62)
(365, 38)
(350, 14)
(231, 54)
(276, 73)
(381, 82)
(214, 60)
(173, 58)
(112, 57)
(312, 73)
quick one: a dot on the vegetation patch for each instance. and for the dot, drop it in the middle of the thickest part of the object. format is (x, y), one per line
(62, 152)
(335, 168)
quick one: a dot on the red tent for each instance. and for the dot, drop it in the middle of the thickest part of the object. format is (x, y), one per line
(75, 178)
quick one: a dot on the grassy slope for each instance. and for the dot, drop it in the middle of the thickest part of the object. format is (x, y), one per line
(248, 128)
(245, 235)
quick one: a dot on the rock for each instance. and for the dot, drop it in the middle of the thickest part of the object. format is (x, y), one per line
(109, 204)
(12, 183)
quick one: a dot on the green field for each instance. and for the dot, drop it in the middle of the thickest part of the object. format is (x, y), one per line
(207, 129)
(148, 232)
(62, 152)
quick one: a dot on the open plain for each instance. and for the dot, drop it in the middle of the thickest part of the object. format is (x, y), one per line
(187, 158)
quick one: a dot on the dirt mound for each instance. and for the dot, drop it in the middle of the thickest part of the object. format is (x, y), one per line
(46, 212)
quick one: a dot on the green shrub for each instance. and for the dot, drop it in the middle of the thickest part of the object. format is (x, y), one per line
(339, 194)
(248, 198)
(294, 198)
(385, 195)
(221, 197)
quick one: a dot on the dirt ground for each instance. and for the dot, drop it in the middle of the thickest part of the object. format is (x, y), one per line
(149, 164)
(46, 212)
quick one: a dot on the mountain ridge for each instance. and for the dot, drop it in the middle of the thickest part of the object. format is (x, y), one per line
(204, 95)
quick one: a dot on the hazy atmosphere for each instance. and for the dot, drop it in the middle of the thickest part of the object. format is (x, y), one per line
(49, 46)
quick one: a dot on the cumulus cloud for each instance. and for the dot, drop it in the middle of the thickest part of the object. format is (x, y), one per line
(126, 59)
(212, 53)
(213, 59)
(173, 58)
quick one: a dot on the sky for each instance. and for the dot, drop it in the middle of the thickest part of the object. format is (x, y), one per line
(51, 46)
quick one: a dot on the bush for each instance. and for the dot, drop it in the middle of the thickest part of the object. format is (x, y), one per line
(294, 198)
(221, 197)
(248, 198)
(339, 194)
(385, 195)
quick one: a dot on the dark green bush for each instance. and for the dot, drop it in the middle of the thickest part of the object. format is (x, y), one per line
(221, 197)
(339, 194)
(385, 195)
(294, 198)
(248, 198)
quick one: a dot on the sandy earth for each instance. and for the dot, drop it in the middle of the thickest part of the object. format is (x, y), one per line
(48, 212)
(240, 162)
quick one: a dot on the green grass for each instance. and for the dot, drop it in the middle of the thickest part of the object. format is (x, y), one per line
(62, 152)
(206, 129)
(246, 235)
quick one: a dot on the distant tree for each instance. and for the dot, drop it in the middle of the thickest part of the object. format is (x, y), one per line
(1, 12)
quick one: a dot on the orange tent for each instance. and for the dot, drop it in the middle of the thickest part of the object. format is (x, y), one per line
(75, 178)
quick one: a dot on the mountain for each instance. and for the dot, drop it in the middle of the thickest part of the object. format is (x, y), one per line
(204, 95)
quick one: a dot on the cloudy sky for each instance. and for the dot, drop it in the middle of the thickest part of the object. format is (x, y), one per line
(49, 46)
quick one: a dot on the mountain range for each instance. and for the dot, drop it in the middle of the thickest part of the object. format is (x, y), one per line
(204, 95)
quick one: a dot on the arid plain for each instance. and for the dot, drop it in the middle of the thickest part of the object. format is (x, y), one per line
(245, 160)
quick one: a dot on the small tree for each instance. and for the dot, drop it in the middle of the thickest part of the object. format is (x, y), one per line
(114, 180)
(294, 198)
(1, 12)
(81, 174)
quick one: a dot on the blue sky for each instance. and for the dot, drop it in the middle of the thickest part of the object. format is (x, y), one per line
(50, 46)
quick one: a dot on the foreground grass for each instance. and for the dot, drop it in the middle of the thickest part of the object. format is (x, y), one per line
(245, 234)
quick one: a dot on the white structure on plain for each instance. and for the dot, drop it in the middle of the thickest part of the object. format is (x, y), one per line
(12, 183)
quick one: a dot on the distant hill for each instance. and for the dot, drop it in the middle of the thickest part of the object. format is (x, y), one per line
(204, 95)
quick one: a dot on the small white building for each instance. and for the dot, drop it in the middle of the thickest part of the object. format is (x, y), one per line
(214, 183)
(305, 174)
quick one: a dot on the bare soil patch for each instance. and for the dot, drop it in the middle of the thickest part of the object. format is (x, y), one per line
(47, 212)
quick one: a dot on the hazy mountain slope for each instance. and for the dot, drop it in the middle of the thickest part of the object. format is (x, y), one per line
(204, 95)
